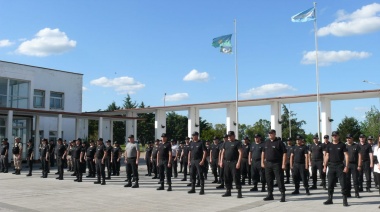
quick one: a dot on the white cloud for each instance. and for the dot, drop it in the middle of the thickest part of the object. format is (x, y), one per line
(4, 43)
(362, 109)
(122, 85)
(267, 89)
(327, 57)
(361, 21)
(84, 88)
(194, 75)
(176, 97)
(46, 42)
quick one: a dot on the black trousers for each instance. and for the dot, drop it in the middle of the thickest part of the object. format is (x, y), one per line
(132, 168)
(231, 174)
(52, 160)
(205, 168)
(273, 170)
(107, 163)
(45, 166)
(366, 170)
(299, 173)
(174, 167)
(245, 168)
(100, 169)
(163, 168)
(4, 163)
(352, 170)
(185, 163)
(287, 171)
(336, 171)
(60, 166)
(115, 166)
(74, 165)
(196, 169)
(79, 168)
(91, 166)
(258, 173)
(317, 165)
(149, 166)
(154, 167)
(215, 167)
(30, 164)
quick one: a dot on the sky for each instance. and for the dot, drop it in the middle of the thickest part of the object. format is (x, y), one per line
(149, 48)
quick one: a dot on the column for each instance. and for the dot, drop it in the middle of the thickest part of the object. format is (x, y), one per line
(100, 127)
(275, 117)
(131, 125)
(325, 116)
(85, 129)
(231, 118)
(111, 131)
(160, 123)
(77, 127)
(8, 133)
(192, 120)
(37, 138)
(59, 126)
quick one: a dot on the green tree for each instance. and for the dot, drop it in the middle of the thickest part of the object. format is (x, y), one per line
(295, 125)
(176, 126)
(262, 127)
(349, 125)
(128, 104)
(371, 124)
(145, 127)
(118, 126)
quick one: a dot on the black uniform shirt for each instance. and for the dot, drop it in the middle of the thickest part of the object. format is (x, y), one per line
(299, 154)
(231, 150)
(325, 145)
(44, 150)
(186, 150)
(246, 148)
(109, 151)
(316, 151)
(336, 152)
(100, 151)
(148, 152)
(154, 152)
(196, 150)
(353, 152)
(365, 149)
(256, 150)
(4, 148)
(163, 150)
(60, 150)
(116, 151)
(289, 150)
(90, 153)
(215, 151)
(274, 150)
(179, 151)
(77, 151)
(29, 151)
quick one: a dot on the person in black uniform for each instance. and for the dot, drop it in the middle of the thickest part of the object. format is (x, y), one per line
(245, 165)
(254, 158)
(289, 149)
(116, 155)
(44, 158)
(90, 154)
(184, 159)
(154, 159)
(73, 157)
(4, 155)
(78, 155)
(336, 153)
(179, 153)
(354, 165)
(60, 153)
(214, 159)
(206, 164)
(107, 160)
(197, 157)
(148, 155)
(299, 164)
(221, 175)
(52, 153)
(100, 155)
(30, 156)
(273, 159)
(232, 153)
(65, 159)
(164, 162)
(316, 162)
(367, 157)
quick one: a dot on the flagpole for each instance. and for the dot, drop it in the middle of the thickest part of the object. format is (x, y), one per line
(317, 70)
(236, 76)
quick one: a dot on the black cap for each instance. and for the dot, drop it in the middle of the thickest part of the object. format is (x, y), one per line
(246, 138)
(173, 140)
(79, 139)
(230, 133)
(163, 135)
(370, 137)
(326, 137)
(289, 139)
(44, 139)
(195, 133)
(272, 131)
(187, 138)
(131, 136)
(361, 136)
(315, 136)
(91, 141)
(225, 136)
(59, 139)
(299, 137)
(108, 141)
(100, 139)
(30, 140)
(157, 140)
(257, 135)
(5, 139)
(349, 135)
(335, 133)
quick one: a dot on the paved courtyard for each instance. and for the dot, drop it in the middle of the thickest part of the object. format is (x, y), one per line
(21, 193)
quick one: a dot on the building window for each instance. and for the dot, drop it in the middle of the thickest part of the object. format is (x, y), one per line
(18, 93)
(39, 99)
(56, 100)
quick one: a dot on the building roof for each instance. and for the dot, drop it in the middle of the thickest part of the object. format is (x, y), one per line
(48, 69)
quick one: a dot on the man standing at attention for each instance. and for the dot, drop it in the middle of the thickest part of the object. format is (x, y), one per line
(197, 157)
(132, 155)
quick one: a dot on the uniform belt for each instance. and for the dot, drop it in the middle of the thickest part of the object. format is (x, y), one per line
(230, 161)
(298, 163)
(132, 158)
(317, 159)
(259, 159)
(354, 162)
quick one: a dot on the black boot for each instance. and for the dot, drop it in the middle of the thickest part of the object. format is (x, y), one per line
(254, 187)
(216, 179)
(103, 182)
(80, 178)
(243, 181)
(239, 194)
(282, 196)
(169, 187)
(129, 184)
(329, 200)
(345, 203)
(202, 191)
(296, 191)
(221, 186)
(98, 181)
(263, 188)
(249, 181)
(307, 191)
(18, 171)
(269, 196)
(313, 187)
(192, 190)
(227, 194)
(136, 185)
(161, 187)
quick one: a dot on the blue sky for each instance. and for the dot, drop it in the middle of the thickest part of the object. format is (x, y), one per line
(148, 48)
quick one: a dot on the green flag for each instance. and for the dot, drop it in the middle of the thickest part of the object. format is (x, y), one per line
(224, 40)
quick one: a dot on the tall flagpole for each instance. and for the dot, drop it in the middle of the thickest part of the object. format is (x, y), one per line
(236, 76)
(317, 70)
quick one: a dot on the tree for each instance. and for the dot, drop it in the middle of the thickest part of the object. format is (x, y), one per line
(371, 124)
(262, 127)
(145, 127)
(128, 104)
(176, 126)
(349, 125)
(295, 126)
